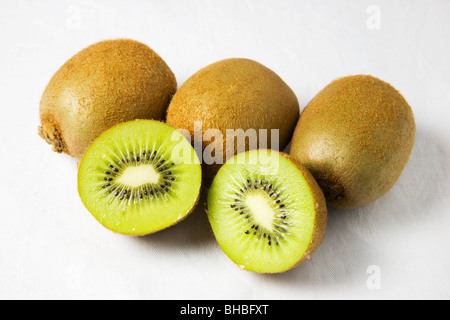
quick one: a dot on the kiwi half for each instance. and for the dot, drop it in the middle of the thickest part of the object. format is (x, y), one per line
(107, 83)
(266, 211)
(139, 177)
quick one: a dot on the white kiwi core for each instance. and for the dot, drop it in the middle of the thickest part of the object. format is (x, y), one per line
(136, 176)
(262, 211)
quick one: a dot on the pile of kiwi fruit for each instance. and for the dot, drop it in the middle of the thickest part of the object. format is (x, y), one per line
(115, 106)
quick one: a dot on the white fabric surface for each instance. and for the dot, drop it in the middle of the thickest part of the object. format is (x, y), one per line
(395, 248)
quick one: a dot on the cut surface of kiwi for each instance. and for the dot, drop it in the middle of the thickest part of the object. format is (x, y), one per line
(266, 211)
(139, 177)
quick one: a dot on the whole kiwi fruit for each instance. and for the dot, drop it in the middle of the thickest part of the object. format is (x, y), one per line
(355, 137)
(108, 83)
(235, 94)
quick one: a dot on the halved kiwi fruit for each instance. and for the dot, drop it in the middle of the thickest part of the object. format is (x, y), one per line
(139, 177)
(267, 212)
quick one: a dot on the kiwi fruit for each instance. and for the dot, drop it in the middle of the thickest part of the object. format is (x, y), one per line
(139, 177)
(266, 211)
(237, 94)
(108, 83)
(355, 137)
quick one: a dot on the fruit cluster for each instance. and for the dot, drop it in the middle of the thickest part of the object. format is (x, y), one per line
(116, 106)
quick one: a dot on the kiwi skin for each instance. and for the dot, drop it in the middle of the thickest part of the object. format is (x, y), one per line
(320, 224)
(108, 83)
(234, 93)
(355, 137)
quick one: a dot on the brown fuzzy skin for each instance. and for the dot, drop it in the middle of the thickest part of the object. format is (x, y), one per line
(108, 83)
(320, 223)
(234, 94)
(355, 137)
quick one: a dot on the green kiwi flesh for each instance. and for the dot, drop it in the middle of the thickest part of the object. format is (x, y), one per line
(355, 137)
(234, 94)
(266, 211)
(139, 177)
(107, 83)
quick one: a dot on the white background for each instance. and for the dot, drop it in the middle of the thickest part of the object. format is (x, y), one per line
(51, 247)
